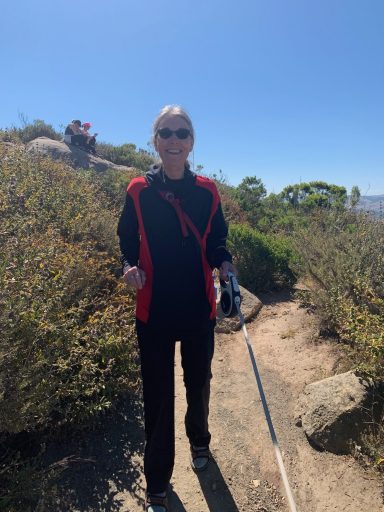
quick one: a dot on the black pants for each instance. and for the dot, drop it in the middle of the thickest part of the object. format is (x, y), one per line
(79, 140)
(157, 353)
(84, 142)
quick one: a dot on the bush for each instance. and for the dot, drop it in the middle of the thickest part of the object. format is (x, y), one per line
(67, 344)
(126, 154)
(341, 252)
(30, 131)
(38, 129)
(232, 212)
(10, 135)
(114, 184)
(262, 260)
(231, 208)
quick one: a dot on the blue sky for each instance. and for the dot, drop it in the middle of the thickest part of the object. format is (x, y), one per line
(285, 90)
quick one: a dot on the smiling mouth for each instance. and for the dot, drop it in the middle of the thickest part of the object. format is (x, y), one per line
(174, 151)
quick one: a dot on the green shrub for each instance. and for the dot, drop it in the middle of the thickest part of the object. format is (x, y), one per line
(341, 253)
(126, 154)
(30, 131)
(114, 184)
(262, 260)
(10, 135)
(36, 129)
(232, 212)
(67, 324)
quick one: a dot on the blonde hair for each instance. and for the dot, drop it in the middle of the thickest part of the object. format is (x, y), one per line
(171, 110)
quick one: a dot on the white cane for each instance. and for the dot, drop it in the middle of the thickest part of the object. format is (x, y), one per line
(230, 304)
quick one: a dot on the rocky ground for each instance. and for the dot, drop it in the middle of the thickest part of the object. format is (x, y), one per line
(244, 475)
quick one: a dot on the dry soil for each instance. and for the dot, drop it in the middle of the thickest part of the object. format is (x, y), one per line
(244, 475)
(105, 472)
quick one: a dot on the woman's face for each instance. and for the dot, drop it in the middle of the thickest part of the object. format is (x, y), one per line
(173, 151)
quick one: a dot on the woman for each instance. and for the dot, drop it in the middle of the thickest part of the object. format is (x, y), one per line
(73, 133)
(91, 139)
(172, 234)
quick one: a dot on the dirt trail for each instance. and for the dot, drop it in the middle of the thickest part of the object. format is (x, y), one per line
(106, 473)
(244, 476)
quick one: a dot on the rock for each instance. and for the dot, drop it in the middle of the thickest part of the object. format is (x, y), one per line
(333, 412)
(73, 155)
(250, 306)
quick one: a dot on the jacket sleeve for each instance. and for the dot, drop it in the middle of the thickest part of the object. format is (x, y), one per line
(128, 234)
(216, 241)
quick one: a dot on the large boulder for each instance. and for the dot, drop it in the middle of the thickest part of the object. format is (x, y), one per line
(250, 306)
(334, 412)
(73, 155)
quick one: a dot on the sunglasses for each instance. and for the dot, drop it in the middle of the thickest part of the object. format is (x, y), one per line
(181, 133)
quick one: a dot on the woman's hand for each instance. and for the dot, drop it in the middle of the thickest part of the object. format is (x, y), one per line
(135, 277)
(226, 267)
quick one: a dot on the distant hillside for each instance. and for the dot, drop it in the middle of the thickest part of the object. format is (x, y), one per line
(372, 204)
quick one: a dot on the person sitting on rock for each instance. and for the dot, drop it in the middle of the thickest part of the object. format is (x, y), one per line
(91, 139)
(75, 135)
(73, 129)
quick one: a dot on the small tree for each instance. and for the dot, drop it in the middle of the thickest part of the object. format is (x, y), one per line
(355, 196)
(250, 194)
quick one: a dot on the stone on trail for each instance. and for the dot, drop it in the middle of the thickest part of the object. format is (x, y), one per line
(334, 412)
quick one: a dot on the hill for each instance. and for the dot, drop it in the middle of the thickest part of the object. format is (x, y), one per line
(373, 204)
(76, 156)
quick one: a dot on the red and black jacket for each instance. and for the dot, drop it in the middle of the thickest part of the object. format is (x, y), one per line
(175, 231)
